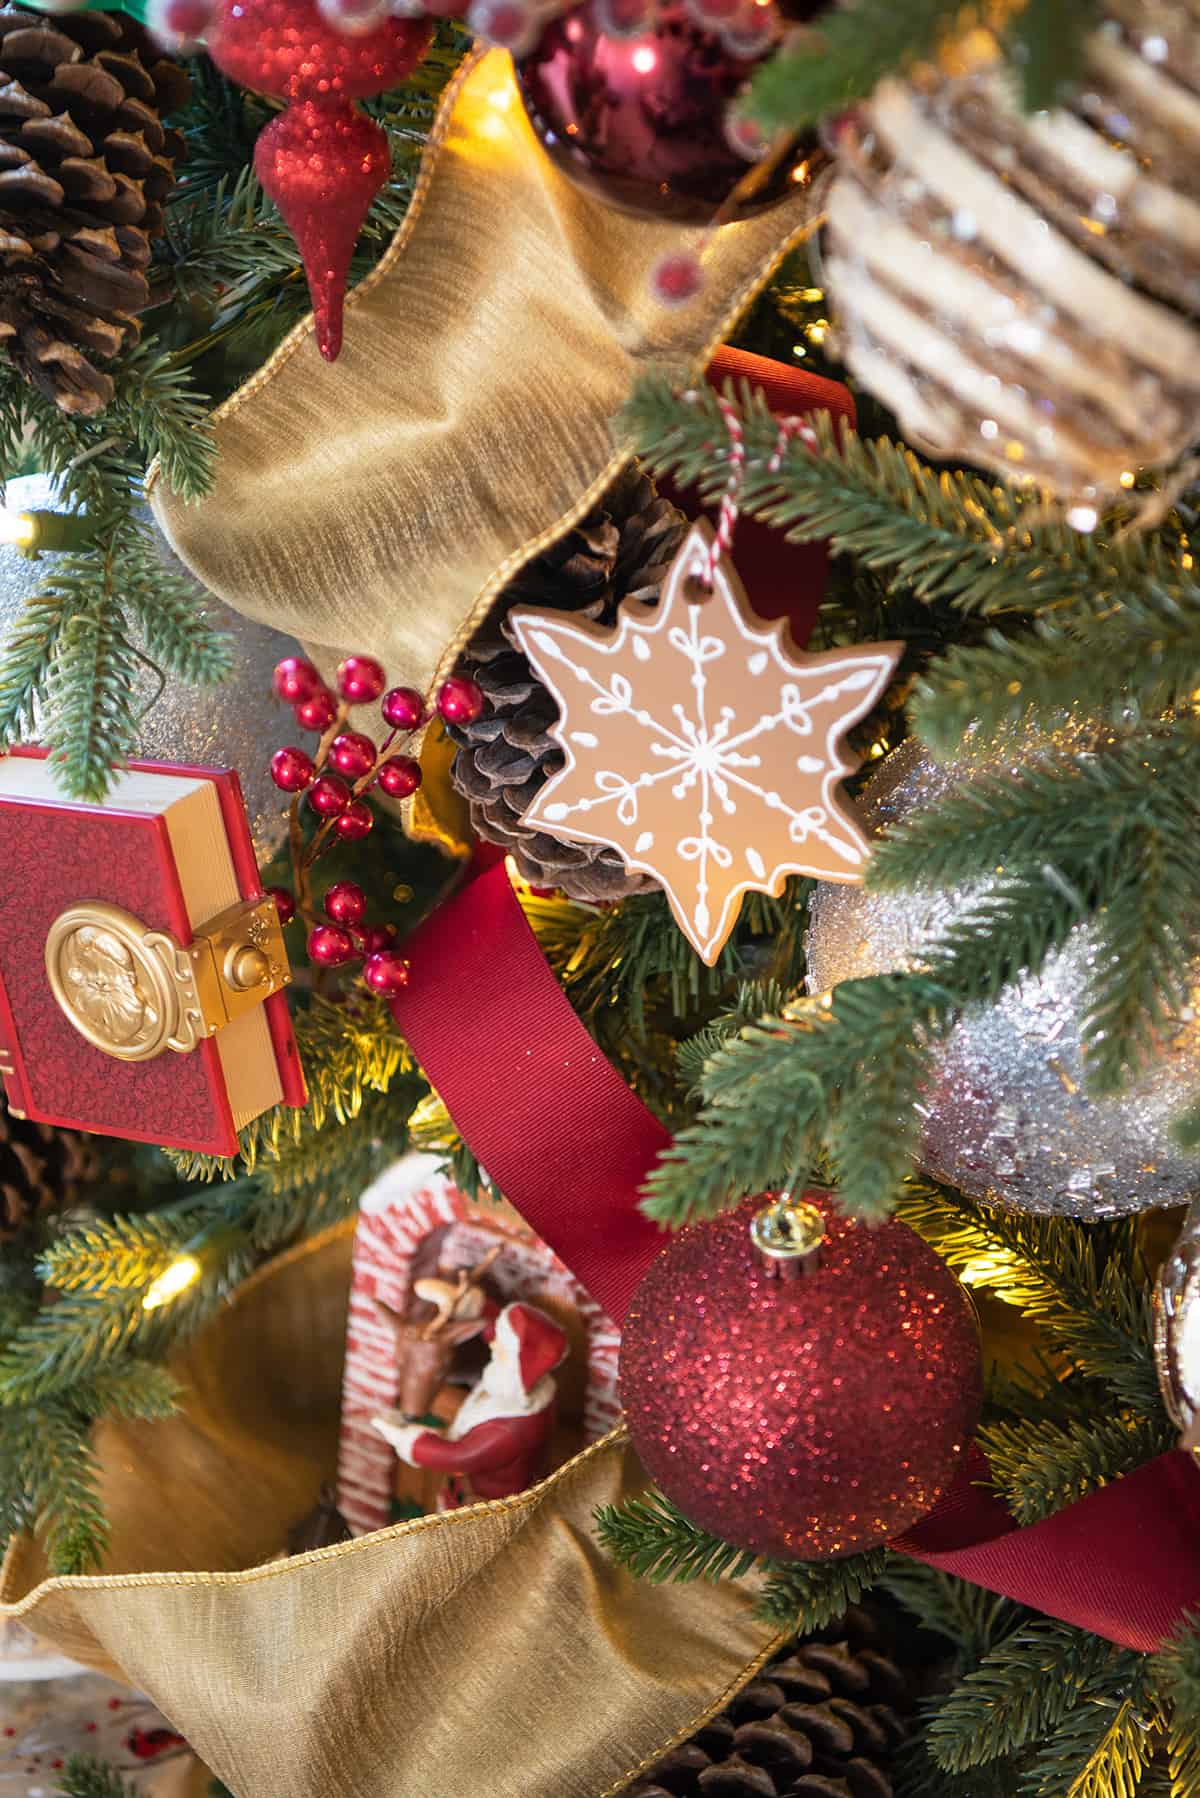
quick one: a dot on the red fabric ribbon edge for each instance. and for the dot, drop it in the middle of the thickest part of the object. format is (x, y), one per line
(570, 1145)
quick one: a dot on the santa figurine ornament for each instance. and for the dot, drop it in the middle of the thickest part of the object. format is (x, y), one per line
(498, 1440)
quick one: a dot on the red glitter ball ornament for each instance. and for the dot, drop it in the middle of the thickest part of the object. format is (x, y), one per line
(400, 776)
(322, 161)
(292, 769)
(352, 754)
(296, 680)
(329, 946)
(360, 679)
(639, 121)
(317, 713)
(801, 1417)
(346, 903)
(386, 972)
(460, 699)
(329, 796)
(356, 822)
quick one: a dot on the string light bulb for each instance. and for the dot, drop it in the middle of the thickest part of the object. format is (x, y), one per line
(31, 531)
(183, 1272)
(216, 1246)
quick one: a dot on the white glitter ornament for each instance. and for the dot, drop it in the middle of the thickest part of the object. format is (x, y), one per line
(1007, 1118)
(237, 724)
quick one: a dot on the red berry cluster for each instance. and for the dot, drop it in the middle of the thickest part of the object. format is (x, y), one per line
(345, 766)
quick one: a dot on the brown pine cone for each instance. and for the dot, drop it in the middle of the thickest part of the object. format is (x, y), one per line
(85, 165)
(823, 1720)
(622, 550)
(41, 1169)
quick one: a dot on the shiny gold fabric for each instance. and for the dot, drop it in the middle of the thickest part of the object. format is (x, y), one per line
(378, 502)
(490, 1653)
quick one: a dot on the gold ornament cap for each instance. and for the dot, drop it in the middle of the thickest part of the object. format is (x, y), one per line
(788, 1234)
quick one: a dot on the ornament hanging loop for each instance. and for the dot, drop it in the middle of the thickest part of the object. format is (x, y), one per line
(788, 1233)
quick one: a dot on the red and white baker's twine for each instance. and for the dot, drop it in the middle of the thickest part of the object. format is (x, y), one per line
(727, 515)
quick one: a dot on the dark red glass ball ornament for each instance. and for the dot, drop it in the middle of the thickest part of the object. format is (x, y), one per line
(296, 679)
(403, 708)
(400, 776)
(360, 679)
(807, 1417)
(386, 972)
(330, 946)
(317, 713)
(640, 122)
(329, 795)
(356, 822)
(375, 937)
(292, 769)
(460, 699)
(285, 904)
(352, 754)
(346, 903)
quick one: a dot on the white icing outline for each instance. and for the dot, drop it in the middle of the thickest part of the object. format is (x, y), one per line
(544, 638)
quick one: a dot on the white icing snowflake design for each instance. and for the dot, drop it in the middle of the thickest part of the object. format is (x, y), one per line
(701, 749)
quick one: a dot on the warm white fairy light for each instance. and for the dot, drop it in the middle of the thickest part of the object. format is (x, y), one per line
(183, 1272)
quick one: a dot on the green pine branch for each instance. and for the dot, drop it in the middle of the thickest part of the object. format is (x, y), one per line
(1175, 1671)
(968, 1617)
(839, 1075)
(949, 537)
(87, 1777)
(1087, 1286)
(1102, 1747)
(1040, 1467)
(825, 68)
(1019, 1693)
(805, 1596)
(652, 1538)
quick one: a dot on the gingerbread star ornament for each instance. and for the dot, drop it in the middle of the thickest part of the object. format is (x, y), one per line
(699, 746)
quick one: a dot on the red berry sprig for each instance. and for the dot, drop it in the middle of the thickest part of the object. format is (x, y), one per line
(336, 778)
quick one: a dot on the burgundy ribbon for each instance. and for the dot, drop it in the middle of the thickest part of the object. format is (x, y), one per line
(570, 1146)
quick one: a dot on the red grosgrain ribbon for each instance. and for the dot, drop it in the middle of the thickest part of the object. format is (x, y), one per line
(570, 1146)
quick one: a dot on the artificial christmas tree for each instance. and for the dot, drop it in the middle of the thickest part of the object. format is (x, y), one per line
(433, 515)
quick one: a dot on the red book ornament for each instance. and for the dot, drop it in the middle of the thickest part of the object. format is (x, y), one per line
(141, 968)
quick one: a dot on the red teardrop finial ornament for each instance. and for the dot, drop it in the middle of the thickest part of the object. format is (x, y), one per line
(323, 165)
(321, 161)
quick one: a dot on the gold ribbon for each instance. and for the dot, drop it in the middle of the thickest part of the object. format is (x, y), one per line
(378, 503)
(495, 1652)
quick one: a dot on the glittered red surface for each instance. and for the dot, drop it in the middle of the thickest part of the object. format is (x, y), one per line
(802, 1419)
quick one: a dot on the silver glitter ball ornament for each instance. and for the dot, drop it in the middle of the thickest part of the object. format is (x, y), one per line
(1007, 1118)
(237, 724)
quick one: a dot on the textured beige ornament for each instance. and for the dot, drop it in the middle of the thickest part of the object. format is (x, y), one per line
(1021, 289)
(699, 746)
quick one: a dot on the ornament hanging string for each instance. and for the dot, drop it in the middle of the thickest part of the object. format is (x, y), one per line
(1123, 1563)
(730, 505)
